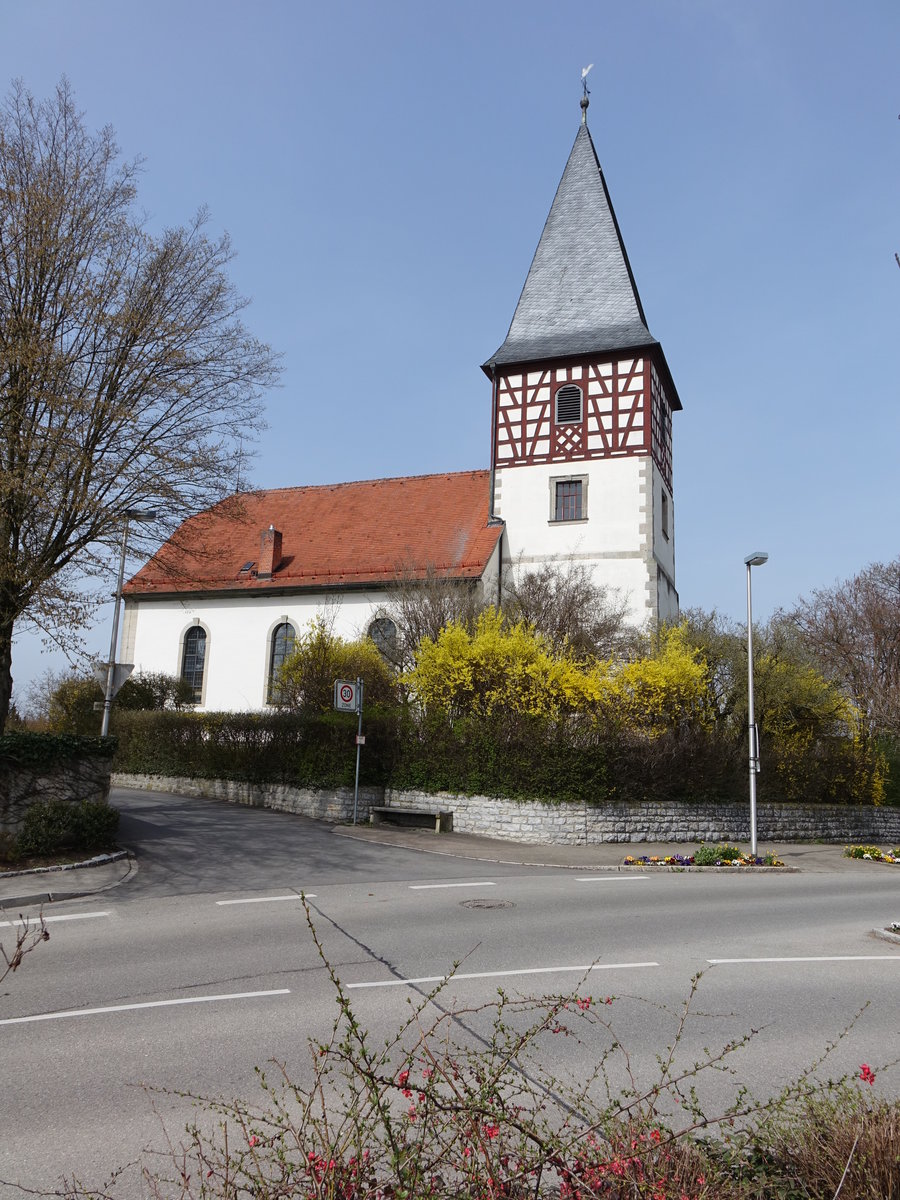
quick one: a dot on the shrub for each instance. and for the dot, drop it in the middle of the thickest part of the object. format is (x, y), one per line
(497, 668)
(53, 825)
(430, 1113)
(316, 751)
(71, 706)
(306, 680)
(708, 856)
(154, 690)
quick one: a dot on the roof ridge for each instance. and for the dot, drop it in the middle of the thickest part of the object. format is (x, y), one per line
(308, 487)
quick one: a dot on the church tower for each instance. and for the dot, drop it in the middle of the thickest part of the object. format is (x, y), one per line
(581, 453)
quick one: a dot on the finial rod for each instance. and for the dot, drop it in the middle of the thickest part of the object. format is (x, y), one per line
(584, 99)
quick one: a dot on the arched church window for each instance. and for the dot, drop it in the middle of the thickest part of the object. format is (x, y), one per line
(193, 661)
(568, 404)
(383, 633)
(283, 638)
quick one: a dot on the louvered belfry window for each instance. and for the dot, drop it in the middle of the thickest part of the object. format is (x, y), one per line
(568, 404)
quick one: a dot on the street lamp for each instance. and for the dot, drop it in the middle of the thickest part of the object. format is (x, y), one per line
(130, 514)
(752, 560)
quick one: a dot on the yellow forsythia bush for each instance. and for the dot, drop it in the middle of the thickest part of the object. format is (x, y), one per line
(662, 691)
(498, 667)
(512, 668)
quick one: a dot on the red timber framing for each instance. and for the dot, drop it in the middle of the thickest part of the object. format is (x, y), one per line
(625, 412)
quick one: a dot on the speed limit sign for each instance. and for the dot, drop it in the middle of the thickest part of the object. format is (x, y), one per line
(346, 695)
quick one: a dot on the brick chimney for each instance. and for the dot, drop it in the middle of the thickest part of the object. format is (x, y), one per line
(269, 553)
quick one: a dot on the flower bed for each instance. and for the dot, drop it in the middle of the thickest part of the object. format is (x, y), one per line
(873, 853)
(706, 856)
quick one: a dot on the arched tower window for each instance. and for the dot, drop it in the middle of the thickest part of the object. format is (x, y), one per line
(283, 638)
(383, 633)
(193, 661)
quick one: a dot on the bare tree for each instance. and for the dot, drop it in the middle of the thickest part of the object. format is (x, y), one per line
(852, 631)
(125, 371)
(421, 607)
(30, 932)
(562, 601)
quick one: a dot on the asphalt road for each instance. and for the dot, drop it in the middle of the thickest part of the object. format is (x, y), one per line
(202, 967)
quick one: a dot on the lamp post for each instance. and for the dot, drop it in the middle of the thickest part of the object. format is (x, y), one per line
(752, 560)
(130, 514)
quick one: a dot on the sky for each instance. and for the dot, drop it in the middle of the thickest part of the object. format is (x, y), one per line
(385, 169)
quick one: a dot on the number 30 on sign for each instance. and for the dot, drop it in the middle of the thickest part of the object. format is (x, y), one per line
(346, 695)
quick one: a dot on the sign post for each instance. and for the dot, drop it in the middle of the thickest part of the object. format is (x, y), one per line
(348, 697)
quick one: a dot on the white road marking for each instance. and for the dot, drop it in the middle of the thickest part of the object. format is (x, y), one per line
(112, 1008)
(811, 958)
(424, 887)
(35, 922)
(609, 878)
(583, 970)
(266, 899)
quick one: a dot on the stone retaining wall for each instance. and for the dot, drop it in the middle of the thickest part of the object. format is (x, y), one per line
(336, 805)
(580, 825)
(73, 780)
(562, 824)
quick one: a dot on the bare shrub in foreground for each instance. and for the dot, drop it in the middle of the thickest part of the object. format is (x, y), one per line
(441, 1110)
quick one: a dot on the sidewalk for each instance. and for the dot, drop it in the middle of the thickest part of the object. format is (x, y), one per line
(52, 884)
(606, 856)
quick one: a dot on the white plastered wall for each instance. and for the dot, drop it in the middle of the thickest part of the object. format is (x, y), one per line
(238, 637)
(663, 546)
(239, 631)
(614, 541)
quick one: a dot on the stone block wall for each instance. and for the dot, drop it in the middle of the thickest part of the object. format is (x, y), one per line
(336, 805)
(73, 780)
(561, 824)
(582, 825)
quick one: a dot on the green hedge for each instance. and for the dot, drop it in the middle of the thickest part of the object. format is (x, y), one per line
(509, 755)
(260, 748)
(522, 758)
(22, 748)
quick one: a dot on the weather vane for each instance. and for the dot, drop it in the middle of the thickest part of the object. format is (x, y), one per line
(584, 99)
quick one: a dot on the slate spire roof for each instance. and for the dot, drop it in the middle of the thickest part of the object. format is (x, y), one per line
(580, 295)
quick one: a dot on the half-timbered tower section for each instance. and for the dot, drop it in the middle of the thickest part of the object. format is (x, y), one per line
(582, 408)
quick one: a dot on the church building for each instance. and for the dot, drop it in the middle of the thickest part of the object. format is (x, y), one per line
(580, 470)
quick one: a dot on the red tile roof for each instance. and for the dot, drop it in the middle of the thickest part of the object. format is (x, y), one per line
(334, 536)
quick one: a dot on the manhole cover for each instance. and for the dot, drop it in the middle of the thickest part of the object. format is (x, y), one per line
(487, 904)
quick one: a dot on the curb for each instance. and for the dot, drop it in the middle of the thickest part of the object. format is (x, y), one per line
(348, 831)
(51, 897)
(887, 936)
(99, 860)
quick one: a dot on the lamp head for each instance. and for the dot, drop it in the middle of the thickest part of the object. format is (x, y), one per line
(757, 559)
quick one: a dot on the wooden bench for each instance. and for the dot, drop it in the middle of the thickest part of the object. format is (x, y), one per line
(418, 818)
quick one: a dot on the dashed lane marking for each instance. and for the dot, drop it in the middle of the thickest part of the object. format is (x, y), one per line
(811, 958)
(581, 970)
(425, 887)
(266, 899)
(34, 922)
(114, 1008)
